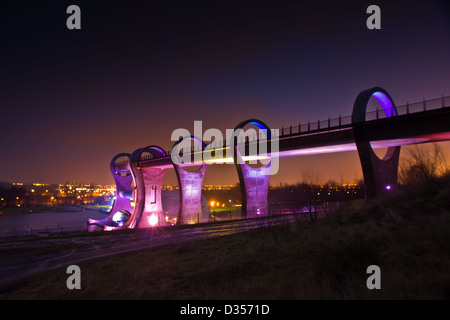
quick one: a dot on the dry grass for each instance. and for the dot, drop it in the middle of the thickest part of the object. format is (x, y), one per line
(407, 236)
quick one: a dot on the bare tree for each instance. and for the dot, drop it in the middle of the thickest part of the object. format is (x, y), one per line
(311, 176)
(422, 165)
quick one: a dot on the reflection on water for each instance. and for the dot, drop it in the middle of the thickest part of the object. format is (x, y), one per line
(47, 222)
(94, 227)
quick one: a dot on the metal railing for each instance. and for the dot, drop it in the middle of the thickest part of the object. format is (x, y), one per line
(340, 122)
(320, 125)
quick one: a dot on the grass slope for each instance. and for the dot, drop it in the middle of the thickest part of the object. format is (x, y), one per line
(407, 236)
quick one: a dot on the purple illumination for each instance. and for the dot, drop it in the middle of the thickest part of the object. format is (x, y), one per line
(126, 195)
(388, 187)
(200, 142)
(175, 147)
(120, 218)
(156, 148)
(302, 151)
(160, 150)
(386, 103)
(261, 127)
(153, 220)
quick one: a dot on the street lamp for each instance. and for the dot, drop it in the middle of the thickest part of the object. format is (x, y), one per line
(34, 197)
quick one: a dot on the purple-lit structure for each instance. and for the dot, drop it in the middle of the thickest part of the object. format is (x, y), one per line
(139, 181)
(254, 182)
(138, 193)
(124, 180)
(149, 181)
(191, 190)
(380, 175)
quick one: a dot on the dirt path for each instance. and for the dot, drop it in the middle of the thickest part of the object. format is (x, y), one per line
(21, 259)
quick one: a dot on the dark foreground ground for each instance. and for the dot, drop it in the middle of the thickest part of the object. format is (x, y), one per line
(407, 236)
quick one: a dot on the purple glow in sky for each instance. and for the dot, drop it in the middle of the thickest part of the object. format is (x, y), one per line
(137, 70)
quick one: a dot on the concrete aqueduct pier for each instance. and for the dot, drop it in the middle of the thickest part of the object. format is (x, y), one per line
(139, 176)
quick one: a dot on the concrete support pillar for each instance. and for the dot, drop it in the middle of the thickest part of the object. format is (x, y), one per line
(254, 182)
(149, 181)
(191, 195)
(190, 184)
(124, 185)
(380, 175)
(124, 180)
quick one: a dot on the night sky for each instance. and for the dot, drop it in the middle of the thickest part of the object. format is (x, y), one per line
(72, 99)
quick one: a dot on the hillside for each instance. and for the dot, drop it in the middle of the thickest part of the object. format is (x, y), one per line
(407, 236)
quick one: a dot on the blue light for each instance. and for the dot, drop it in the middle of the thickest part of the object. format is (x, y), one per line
(262, 127)
(120, 217)
(386, 103)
